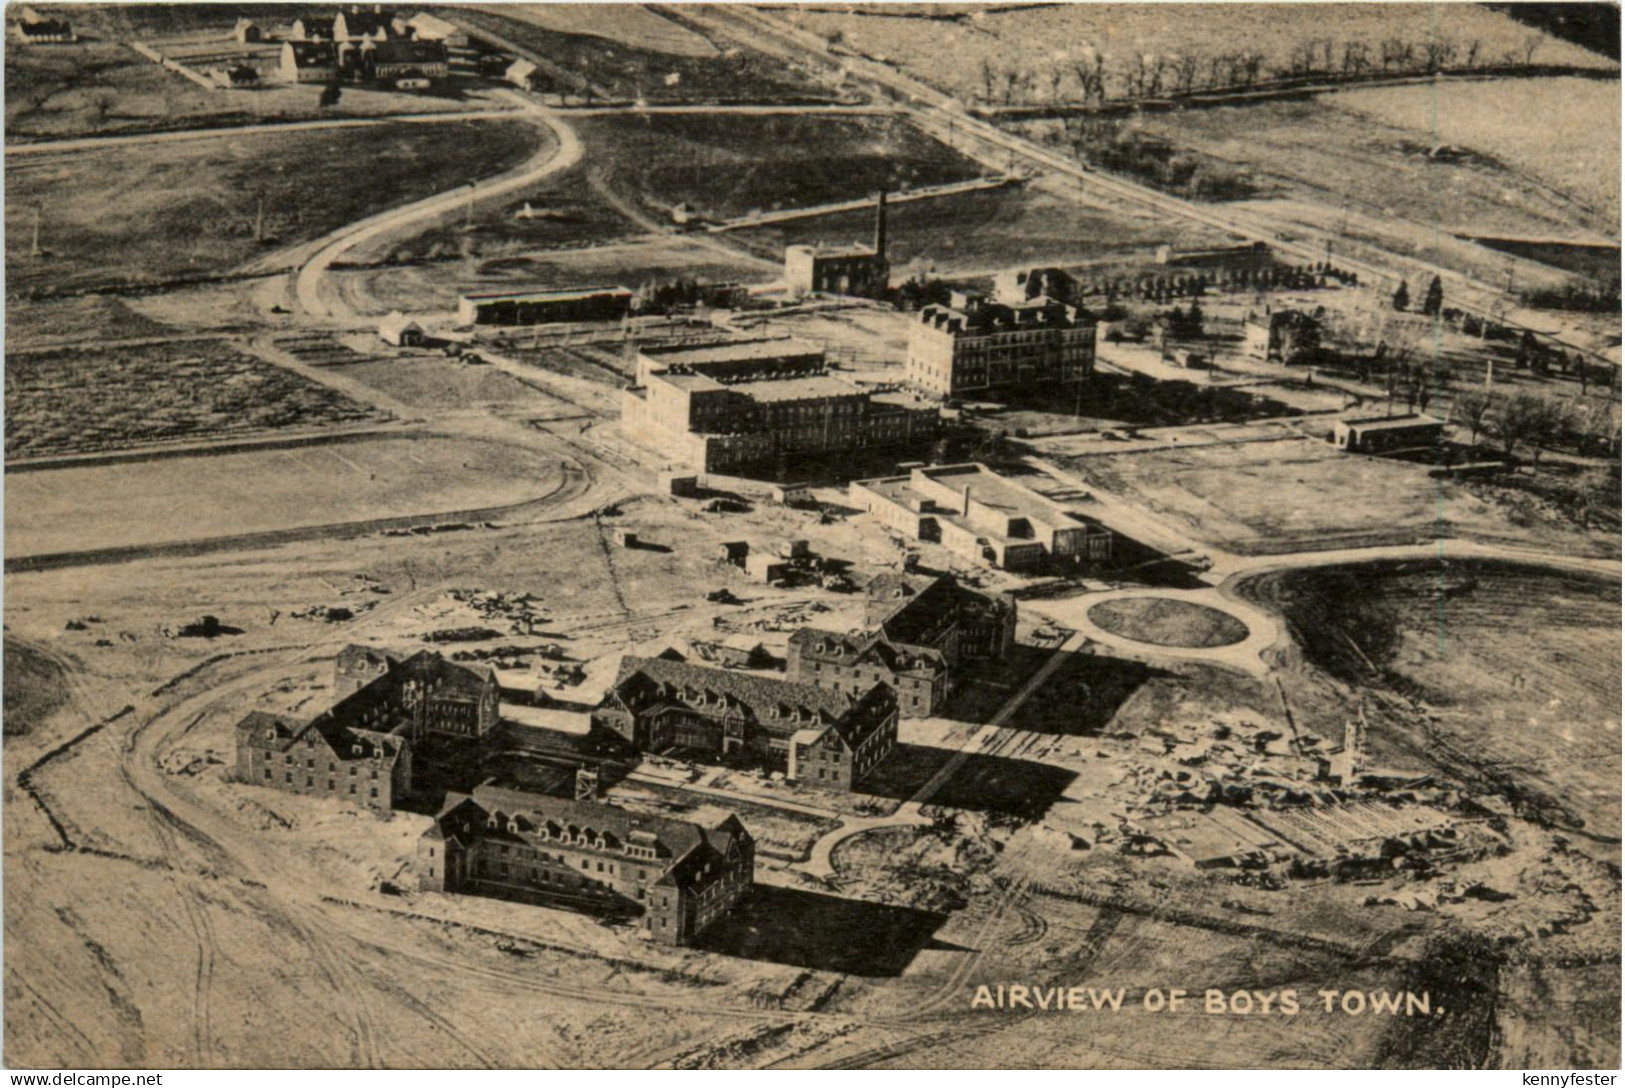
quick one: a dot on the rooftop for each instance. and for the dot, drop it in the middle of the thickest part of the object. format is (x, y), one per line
(734, 351)
(1377, 423)
(549, 296)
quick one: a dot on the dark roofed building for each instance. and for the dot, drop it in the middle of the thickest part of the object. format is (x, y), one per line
(362, 24)
(920, 629)
(678, 876)
(312, 28)
(309, 62)
(815, 734)
(394, 61)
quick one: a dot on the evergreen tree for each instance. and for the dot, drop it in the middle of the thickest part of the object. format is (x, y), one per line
(1435, 298)
(1402, 297)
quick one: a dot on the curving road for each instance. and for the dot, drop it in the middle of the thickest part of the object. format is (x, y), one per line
(547, 162)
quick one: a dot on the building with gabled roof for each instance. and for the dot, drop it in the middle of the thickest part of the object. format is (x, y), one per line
(676, 876)
(359, 749)
(324, 757)
(359, 24)
(920, 630)
(309, 61)
(859, 270)
(818, 735)
(975, 346)
(312, 28)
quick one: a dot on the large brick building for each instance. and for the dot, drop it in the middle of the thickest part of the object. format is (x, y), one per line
(815, 735)
(582, 855)
(978, 514)
(360, 749)
(324, 758)
(859, 270)
(920, 629)
(747, 402)
(975, 346)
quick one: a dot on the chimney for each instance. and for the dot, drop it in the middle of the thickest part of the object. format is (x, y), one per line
(964, 501)
(880, 224)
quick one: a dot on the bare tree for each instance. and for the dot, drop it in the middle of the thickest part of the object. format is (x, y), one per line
(989, 77)
(1530, 44)
(101, 107)
(1472, 410)
(1437, 53)
(1185, 66)
(1473, 48)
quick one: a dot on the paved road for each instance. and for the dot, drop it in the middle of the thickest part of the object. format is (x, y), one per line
(97, 143)
(546, 163)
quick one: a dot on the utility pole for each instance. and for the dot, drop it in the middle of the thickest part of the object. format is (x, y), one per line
(39, 211)
(259, 218)
(468, 224)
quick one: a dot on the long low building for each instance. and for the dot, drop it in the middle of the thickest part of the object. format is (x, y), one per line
(1384, 435)
(978, 514)
(746, 402)
(545, 307)
(677, 876)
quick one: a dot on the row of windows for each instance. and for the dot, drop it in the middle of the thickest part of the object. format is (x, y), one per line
(310, 783)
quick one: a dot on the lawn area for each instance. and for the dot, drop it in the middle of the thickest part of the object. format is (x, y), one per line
(89, 400)
(438, 382)
(69, 509)
(1163, 621)
(149, 214)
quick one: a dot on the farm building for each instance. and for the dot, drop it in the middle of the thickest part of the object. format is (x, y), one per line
(312, 28)
(1387, 435)
(765, 568)
(842, 270)
(309, 61)
(405, 63)
(545, 307)
(401, 331)
(677, 877)
(359, 24)
(522, 74)
(33, 28)
(746, 402)
(733, 551)
(740, 652)
(976, 513)
(431, 28)
(1281, 336)
(247, 32)
(976, 345)
(792, 494)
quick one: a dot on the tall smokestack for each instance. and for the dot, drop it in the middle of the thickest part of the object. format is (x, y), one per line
(880, 224)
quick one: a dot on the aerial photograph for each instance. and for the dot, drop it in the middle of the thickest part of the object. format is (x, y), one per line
(812, 535)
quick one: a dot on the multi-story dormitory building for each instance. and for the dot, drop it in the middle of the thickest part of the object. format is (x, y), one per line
(746, 402)
(360, 749)
(920, 629)
(975, 345)
(815, 735)
(680, 877)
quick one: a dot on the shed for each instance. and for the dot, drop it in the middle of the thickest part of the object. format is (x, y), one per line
(626, 538)
(794, 549)
(401, 331)
(740, 651)
(733, 551)
(1385, 435)
(247, 31)
(685, 487)
(792, 494)
(765, 568)
(521, 73)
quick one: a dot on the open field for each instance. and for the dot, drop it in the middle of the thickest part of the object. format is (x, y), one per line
(639, 168)
(111, 505)
(1050, 43)
(84, 400)
(627, 55)
(151, 214)
(1301, 493)
(431, 381)
(1519, 669)
(1168, 622)
(1563, 132)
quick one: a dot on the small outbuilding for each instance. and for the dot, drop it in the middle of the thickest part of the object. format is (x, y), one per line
(733, 551)
(1387, 435)
(401, 331)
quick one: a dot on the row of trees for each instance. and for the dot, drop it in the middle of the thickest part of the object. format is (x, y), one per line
(1527, 420)
(1089, 76)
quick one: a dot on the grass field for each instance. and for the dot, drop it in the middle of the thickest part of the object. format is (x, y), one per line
(155, 213)
(84, 400)
(1261, 498)
(1163, 621)
(112, 505)
(1521, 668)
(1563, 132)
(34, 688)
(435, 382)
(950, 51)
(638, 169)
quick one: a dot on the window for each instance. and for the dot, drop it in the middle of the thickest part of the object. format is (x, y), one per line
(267, 772)
(352, 772)
(375, 791)
(288, 778)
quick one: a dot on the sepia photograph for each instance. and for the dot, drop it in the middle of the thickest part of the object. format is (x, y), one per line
(812, 535)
